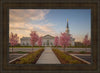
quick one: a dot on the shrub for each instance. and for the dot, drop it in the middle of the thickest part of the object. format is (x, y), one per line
(21, 52)
(70, 51)
(26, 47)
(67, 58)
(82, 52)
(74, 62)
(29, 58)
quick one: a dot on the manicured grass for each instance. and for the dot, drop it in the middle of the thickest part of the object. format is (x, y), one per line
(31, 58)
(65, 59)
(78, 46)
(21, 52)
(27, 47)
(73, 47)
(82, 52)
(49, 46)
(70, 51)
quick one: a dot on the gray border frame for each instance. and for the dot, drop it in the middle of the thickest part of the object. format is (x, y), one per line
(50, 1)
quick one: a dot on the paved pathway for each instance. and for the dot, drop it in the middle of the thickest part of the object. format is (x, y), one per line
(48, 57)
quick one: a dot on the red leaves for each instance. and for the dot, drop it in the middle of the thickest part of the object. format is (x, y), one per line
(40, 41)
(34, 38)
(86, 41)
(64, 40)
(56, 41)
(13, 39)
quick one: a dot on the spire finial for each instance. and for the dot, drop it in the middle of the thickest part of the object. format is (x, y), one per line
(67, 23)
(67, 19)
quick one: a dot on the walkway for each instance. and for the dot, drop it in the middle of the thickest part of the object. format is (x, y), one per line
(48, 57)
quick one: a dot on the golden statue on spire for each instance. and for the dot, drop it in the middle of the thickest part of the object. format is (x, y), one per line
(67, 19)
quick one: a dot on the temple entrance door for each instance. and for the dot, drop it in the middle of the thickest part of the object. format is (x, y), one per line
(47, 42)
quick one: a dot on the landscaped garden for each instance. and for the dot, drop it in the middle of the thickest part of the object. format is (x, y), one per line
(56, 56)
(31, 58)
(66, 58)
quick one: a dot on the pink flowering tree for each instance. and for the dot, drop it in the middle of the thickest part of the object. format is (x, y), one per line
(56, 41)
(34, 38)
(86, 41)
(64, 40)
(13, 39)
(40, 41)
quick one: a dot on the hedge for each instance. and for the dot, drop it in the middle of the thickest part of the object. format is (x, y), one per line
(26, 47)
(30, 58)
(65, 59)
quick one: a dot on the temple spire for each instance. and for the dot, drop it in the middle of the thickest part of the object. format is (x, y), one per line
(67, 24)
(67, 27)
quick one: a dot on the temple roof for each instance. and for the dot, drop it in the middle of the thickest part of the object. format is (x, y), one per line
(46, 36)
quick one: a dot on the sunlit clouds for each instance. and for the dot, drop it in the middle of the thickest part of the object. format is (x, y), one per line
(23, 21)
(20, 22)
(25, 15)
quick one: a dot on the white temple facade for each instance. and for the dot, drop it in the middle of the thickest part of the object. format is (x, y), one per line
(47, 40)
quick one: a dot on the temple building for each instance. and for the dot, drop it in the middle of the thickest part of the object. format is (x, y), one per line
(47, 40)
(72, 40)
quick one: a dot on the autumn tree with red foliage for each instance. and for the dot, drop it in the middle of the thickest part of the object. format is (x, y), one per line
(40, 41)
(64, 40)
(86, 41)
(34, 38)
(56, 41)
(13, 40)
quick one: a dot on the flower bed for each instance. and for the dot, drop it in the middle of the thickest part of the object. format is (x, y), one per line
(31, 58)
(66, 59)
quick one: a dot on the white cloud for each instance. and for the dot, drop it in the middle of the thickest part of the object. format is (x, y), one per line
(25, 15)
(25, 29)
(20, 22)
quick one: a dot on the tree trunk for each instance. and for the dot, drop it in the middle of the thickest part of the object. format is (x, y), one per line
(32, 48)
(40, 47)
(64, 49)
(12, 49)
(56, 47)
(86, 48)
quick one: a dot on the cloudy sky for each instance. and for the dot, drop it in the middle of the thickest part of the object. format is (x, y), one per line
(50, 21)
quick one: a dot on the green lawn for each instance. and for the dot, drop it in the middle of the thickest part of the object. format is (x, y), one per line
(27, 47)
(48, 46)
(74, 47)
